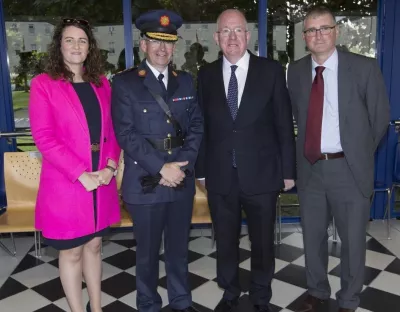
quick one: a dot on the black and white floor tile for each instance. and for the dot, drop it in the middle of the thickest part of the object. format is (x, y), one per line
(29, 284)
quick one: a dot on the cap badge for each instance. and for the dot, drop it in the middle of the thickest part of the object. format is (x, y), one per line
(164, 20)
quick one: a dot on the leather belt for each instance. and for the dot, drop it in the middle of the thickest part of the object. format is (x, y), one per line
(95, 147)
(327, 156)
(167, 143)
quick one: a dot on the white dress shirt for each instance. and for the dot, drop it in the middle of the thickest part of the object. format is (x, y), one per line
(241, 73)
(330, 136)
(156, 73)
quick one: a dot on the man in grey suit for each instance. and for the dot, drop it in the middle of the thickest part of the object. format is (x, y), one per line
(341, 107)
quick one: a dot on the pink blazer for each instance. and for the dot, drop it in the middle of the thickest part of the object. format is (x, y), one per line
(64, 209)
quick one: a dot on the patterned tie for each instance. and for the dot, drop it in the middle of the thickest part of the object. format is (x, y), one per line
(232, 100)
(312, 144)
(160, 80)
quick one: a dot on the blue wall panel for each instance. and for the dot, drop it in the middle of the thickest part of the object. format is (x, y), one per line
(6, 112)
(388, 57)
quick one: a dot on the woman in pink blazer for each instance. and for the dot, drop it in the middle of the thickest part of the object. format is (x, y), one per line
(70, 118)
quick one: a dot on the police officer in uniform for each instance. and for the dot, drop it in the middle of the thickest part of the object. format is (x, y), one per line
(159, 126)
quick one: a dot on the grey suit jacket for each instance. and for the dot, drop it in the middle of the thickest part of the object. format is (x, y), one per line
(363, 113)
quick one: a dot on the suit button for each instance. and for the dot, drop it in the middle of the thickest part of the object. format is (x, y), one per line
(234, 131)
(168, 121)
(170, 152)
(145, 111)
(169, 135)
(135, 162)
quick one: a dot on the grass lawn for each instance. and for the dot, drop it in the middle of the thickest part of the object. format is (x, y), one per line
(20, 99)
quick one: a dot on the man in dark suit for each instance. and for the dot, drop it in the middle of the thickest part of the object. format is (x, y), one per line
(342, 112)
(247, 156)
(158, 146)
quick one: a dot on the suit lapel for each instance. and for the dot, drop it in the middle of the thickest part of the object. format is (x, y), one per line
(220, 87)
(68, 91)
(344, 86)
(150, 81)
(306, 80)
(249, 86)
(100, 97)
(172, 83)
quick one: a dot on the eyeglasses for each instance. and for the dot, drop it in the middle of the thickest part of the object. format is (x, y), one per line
(72, 21)
(226, 32)
(157, 43)
(325, 30)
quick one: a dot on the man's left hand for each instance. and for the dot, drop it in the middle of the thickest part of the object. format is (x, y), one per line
(289, 184)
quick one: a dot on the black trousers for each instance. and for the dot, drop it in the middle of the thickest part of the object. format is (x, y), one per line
(226, 212)
(150, 221)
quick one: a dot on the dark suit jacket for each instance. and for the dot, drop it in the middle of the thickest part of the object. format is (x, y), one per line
(262, 134)
(363, 113)
(137, 116)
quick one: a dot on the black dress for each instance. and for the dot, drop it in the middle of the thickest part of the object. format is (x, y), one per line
(91, 106)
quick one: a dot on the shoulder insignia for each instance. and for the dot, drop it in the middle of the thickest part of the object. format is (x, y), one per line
(126, 70)
(175, 73)
(142, 73)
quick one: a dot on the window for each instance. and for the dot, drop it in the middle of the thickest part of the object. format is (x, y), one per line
(31, 29)
(47, 30)
(111, 48)
(14, 27)
(196, 46)
(357, 29)
(29, 26)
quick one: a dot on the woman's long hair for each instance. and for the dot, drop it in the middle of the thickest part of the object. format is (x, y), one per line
(56, 67)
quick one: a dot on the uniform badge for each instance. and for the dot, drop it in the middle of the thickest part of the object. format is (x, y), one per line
(142, 73)
(183, 98)
(164, 20)
(174, 73)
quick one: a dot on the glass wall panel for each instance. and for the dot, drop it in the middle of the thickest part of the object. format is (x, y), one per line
(357, 27)
(29, 28)
(196, 45)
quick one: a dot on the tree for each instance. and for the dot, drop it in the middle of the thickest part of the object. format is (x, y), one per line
(31, 63)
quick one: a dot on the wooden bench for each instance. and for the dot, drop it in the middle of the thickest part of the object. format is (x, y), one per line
(21, 174)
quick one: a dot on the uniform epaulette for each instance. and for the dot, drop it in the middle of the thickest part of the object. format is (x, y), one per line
(130, 69)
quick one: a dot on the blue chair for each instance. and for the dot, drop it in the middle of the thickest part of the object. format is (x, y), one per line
(383, 187)
(395, 182)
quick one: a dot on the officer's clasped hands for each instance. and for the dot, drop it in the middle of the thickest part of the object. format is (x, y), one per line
(171, 173)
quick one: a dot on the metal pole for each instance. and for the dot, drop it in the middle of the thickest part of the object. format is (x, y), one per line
(262, 27)
(14, 134)
(127, 13)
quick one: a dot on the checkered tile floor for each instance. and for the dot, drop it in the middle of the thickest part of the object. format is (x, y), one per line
(34, 285)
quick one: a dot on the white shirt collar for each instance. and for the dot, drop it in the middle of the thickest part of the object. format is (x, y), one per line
(331, 63)
(243, 63)
(156, 72)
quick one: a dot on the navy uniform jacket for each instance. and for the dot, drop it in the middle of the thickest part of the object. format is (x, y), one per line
(137, 116)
